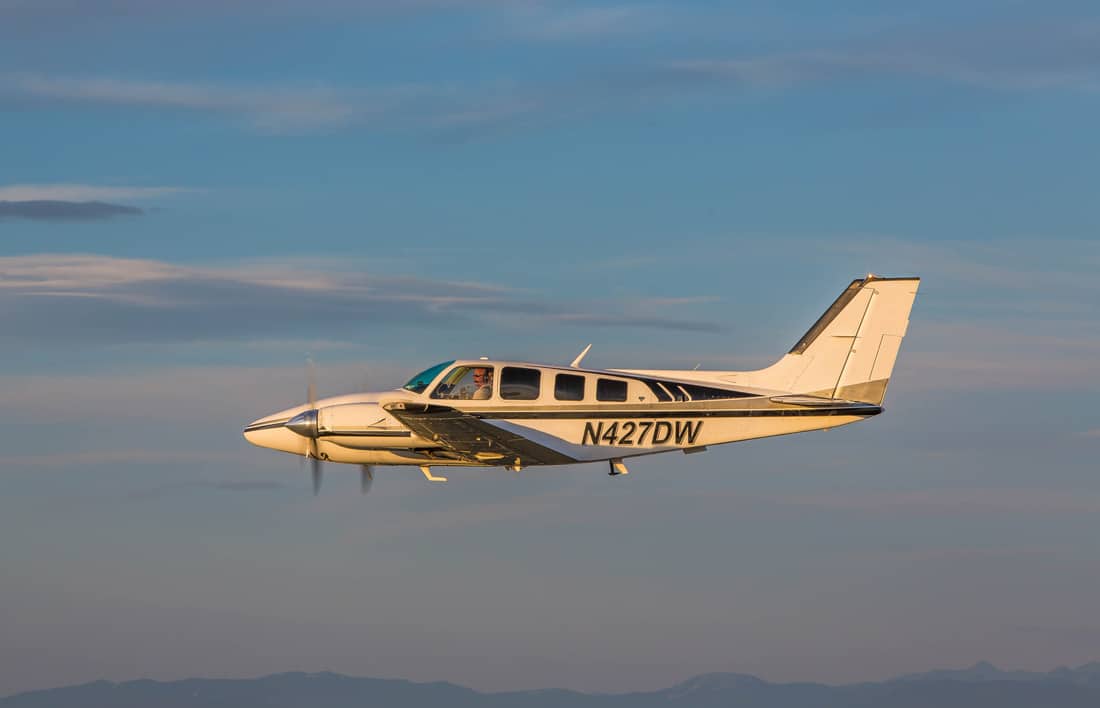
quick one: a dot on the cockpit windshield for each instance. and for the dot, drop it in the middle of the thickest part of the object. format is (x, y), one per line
(418, 383)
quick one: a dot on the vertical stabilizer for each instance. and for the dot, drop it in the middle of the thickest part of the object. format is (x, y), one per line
(849, 353)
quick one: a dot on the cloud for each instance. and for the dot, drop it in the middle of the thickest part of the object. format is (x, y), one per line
(74, 202)
(590, 22)
(80, 192)
(488, 104)
(1007, 53)
(1059, 57)
(49, 14)
(1014, 53)
(53, 210)
(628, 320)
(271, 108)
(543, 22)
(787, 70)
(53, 298)
(292, 108)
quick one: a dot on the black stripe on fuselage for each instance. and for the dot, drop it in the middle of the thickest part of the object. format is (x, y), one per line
(266, 426)
(365, 434)
(330, 433)
(865, 411)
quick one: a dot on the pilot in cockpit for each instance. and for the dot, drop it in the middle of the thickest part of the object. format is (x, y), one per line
(483, 382)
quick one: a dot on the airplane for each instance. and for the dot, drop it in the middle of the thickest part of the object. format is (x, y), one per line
(513, 414)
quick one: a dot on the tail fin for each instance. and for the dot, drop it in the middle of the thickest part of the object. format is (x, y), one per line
(850, 351)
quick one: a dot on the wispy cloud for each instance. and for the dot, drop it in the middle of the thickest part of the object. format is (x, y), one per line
(1017, 54)
(104, 299)
(632, 320)
(549, 22)
(61, 13)
(294, 108)
(1061, 57)
(49, 210)
(278, 108)
(648, 302)
(81, 192)
(788, 70)
(74, 202)
(1004, 51)
(1020, 57)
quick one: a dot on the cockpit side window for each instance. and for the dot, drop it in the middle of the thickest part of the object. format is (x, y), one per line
(473, 383)
(421, 381)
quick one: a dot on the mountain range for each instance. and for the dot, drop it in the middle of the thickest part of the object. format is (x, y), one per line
(980, 686)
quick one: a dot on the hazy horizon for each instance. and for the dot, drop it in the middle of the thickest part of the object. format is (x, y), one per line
(977, 672)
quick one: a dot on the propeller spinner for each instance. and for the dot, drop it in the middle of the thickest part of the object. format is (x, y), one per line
(306, 424)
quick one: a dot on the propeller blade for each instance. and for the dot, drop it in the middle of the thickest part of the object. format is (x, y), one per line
(311, 382)
(315, 472)
(366, 478)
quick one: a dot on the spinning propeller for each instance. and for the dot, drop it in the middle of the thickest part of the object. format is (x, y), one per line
(306, 425)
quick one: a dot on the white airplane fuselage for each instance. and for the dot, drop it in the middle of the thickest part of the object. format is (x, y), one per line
(358, 429)
(481, 412)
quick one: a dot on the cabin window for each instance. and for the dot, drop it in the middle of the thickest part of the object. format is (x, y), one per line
(474, 383)
(518, 384)
(610, 390)
(569, 387)
(707, 393)
(658, 390)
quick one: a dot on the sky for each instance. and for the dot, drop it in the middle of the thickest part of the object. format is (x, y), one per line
(194, 197)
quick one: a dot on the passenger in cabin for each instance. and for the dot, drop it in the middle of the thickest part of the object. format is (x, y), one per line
(483, 380)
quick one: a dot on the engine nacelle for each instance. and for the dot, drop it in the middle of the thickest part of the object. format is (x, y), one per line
(362, 426)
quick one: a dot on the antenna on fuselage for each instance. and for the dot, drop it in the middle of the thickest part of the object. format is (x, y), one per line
(577, 361)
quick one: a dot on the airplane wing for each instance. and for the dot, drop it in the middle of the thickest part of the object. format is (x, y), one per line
(472, 438)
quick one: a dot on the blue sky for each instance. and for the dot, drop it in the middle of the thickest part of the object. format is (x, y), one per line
(385, 185)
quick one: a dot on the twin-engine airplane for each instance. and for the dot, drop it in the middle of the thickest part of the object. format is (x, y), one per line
(483, 412)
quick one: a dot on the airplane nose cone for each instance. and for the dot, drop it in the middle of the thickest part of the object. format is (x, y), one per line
(275, 435)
